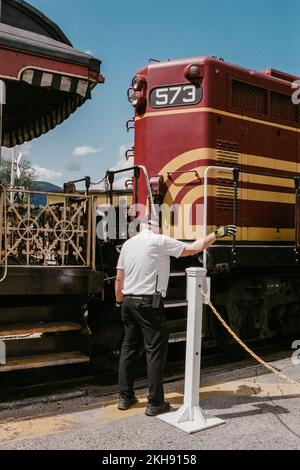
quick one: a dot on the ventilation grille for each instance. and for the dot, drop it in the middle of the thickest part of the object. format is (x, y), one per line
(224, 194)
(283, 108)
(227, 155)
(249, 98)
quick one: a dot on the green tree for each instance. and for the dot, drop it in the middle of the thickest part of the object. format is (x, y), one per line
(27, 178)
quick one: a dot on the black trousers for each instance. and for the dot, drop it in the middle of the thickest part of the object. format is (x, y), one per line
(143, 323)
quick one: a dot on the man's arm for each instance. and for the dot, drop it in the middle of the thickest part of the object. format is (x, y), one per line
(119, 284)
(200, 245)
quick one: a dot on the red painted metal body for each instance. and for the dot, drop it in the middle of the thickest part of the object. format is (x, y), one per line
(245, 119)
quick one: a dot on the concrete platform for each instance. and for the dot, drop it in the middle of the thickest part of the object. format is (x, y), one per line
(261, 412)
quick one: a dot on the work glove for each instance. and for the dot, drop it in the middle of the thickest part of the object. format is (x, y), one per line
(226, 231)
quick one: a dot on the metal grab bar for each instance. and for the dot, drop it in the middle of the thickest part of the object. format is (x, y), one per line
(110, 176)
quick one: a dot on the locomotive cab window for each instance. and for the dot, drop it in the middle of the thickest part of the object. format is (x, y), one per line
(176, 95)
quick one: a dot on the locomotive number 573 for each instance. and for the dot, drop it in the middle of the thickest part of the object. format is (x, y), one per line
(175, 95)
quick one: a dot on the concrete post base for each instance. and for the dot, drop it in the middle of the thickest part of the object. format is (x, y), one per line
(190, 420)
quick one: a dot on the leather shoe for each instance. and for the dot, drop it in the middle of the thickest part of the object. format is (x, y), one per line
(154, 410)
(125, 403)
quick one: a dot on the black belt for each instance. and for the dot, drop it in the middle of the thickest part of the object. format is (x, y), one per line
(140, 297)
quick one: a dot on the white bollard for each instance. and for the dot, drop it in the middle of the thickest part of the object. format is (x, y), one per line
(2, 353)
(190, 417)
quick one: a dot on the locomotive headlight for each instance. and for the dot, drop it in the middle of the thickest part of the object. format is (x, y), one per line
(138, 99)
(139, 83)
(193, 72)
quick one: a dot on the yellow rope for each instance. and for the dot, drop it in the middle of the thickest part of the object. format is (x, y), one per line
(235, 336)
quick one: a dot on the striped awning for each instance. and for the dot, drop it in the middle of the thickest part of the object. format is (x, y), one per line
(64, 83)
(43, 124)
(46, 81)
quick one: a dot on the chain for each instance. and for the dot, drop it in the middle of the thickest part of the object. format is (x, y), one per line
(244, 346)
(102, 180)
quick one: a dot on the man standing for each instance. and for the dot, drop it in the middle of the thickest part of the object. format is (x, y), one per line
(142, 279)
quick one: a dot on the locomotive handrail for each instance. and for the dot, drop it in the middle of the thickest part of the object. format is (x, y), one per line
(134, 168)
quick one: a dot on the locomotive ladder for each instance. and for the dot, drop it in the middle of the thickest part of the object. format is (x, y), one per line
(177, 327)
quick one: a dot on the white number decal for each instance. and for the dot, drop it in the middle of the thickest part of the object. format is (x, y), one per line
(175, 95)
(162, 96)
(177, 90)
(191, 94)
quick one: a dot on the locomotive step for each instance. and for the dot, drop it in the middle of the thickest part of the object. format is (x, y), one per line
(44, 360)
(175, 303)
(178, 274)
(178, 337)
(176, 326)
(26, 330)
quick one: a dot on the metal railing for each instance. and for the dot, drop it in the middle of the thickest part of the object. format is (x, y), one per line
(46, 229)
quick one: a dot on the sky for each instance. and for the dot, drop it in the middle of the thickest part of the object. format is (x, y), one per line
(124, 36)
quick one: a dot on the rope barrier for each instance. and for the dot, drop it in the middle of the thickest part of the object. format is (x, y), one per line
(244, 346)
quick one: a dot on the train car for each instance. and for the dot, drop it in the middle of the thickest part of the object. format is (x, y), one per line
(221, 145)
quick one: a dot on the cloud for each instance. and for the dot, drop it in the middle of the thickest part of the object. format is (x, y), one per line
(86, 150)
(120, 183)
(121, 164)
(44, 174)
(24, 148)
(73, 167)
(6, 153)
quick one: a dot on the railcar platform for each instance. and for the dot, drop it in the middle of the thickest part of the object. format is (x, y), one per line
(261, 412)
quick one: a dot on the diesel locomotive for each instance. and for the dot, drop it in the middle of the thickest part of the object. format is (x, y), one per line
(223, 142)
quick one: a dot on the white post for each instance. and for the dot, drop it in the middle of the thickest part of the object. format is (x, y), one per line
(12, 174)
(2, 353)
(2, 103)
(190, 417)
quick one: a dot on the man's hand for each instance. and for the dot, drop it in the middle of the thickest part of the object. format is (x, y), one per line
(226, 231)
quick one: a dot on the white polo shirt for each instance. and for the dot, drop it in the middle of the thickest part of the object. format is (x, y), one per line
(143, 258)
